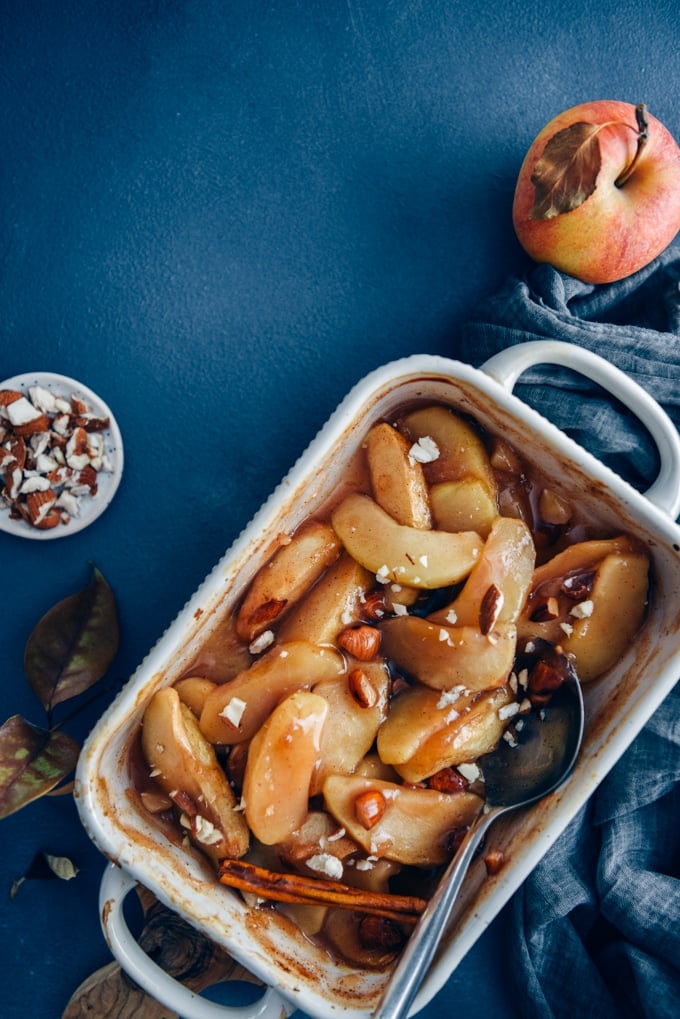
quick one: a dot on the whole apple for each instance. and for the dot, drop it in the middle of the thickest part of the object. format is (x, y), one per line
(598, 193)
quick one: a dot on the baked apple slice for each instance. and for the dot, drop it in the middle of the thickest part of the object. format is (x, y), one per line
(462, 452)
(397, 479)
(427, 731)
(411, 826)
(400, 554)
(446, 656)
(184, 764)
(591, 599)
(498, 586)
(282, 758)
(286, 577)
(234, 711)
(335, 601)
(358, 704)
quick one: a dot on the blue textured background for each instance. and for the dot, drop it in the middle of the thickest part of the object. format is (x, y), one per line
(220, 216)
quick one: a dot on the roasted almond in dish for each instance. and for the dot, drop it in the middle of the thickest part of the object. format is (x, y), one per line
(325, 756)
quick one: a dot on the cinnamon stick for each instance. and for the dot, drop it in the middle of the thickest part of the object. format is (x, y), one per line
(280, 887)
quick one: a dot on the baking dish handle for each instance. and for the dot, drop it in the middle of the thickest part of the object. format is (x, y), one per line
(507, 366)
(115, 885)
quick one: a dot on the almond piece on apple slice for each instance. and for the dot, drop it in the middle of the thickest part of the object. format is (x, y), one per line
(416, 825)
(397, 479)
(186, 767)
(234, 711)
(506, 564)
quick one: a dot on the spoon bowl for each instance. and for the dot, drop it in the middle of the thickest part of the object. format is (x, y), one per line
(516, 774)
(546, 751)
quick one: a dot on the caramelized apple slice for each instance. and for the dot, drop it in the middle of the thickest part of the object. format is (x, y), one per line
(185, 766)
(506, 565)
(446, 656)
(333, 603)
(193, 691)
(282, 758)
(592, 600)
(619, 603)
(576, 559)
(234, 711)
(461, 450)
(404, 555)
(427, 731)
(288, 575)
(467, 504)
(397, 479)
(357, 705)
(416, 825)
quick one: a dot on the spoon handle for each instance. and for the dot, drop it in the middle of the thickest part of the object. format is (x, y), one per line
(420, 948)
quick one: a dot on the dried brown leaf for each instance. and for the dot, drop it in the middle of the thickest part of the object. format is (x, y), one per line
(566, 174)
(73, 644)
(32, 762)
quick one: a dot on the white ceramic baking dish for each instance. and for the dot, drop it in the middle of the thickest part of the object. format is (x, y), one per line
(297, 973)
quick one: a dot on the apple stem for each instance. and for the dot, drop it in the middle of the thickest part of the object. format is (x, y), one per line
(642, 137)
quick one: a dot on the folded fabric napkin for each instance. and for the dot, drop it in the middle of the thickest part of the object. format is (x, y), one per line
(597, 924)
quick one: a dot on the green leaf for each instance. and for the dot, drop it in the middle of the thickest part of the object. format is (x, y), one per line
(73, 644)
(32, 761)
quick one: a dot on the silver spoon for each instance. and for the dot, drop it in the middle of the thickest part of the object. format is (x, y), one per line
(515, 776)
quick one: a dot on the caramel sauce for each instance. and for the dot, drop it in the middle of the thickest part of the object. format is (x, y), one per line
(520, 487)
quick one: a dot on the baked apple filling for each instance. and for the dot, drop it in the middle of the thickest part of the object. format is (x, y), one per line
(323, 749)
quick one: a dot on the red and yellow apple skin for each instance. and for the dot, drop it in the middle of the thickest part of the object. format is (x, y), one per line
(633, 211)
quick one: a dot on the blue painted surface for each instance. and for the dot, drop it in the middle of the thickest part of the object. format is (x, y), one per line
(219, 217)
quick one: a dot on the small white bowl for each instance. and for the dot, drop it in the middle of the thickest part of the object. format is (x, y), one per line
(91, 507)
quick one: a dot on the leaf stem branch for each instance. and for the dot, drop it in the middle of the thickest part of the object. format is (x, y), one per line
(77, 710)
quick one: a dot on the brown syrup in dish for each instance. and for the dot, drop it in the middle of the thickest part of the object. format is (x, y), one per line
(328, 852)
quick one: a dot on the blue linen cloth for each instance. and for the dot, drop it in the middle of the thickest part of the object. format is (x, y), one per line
(597, 924)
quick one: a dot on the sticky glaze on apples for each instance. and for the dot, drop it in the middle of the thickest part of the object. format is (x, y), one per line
(321, 751)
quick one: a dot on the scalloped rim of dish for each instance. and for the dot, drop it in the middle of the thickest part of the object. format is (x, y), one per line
(108, 482)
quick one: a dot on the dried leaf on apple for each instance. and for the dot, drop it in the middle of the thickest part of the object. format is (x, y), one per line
(566, 173)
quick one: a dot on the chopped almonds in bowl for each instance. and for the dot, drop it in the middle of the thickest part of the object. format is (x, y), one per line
(61, 455)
